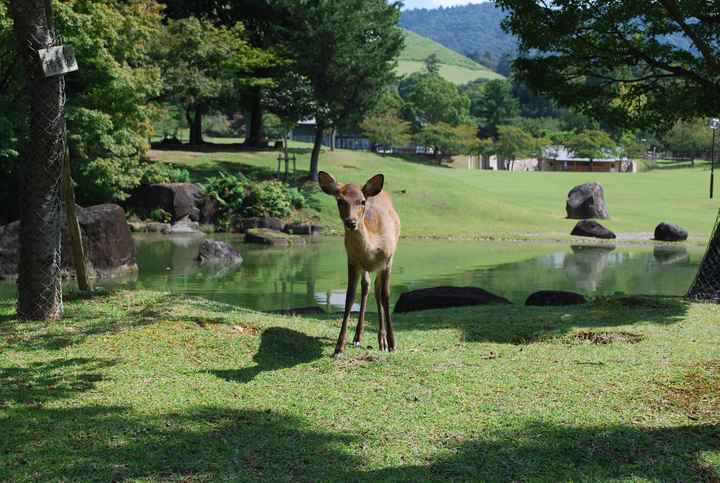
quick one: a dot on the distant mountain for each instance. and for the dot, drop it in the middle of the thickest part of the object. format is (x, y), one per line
(453, 66)
(471, 30)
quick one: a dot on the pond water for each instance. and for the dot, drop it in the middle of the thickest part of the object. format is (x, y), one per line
(271, 278)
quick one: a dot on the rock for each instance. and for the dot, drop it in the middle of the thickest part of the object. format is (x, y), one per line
(179, 199)
(592, 229)
(555, 297)
(242, 225)
(271, 237)
(212, 251)
(586, 201)
(670, 232)
(302, 229)
(157, 227)
(209, 211)
(138, 226)
(183, 227)
(108, 243)
(315, 310)
(446, 297)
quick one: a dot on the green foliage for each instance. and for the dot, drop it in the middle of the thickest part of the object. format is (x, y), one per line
(269, 198)
(466, 29)
(447, 139)
(430, 99)
(689, 138)
(432, 64)
(387, 130)
(161, 216)
(590, 144)
(156, 173)
(643, 64)
(237, 195)
(493, 104)
(513, 142)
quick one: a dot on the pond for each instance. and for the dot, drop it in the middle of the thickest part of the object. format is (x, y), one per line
(271, 279)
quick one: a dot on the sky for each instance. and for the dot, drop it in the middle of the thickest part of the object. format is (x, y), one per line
(409, 4)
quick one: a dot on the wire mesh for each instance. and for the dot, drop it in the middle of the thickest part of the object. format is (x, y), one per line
(706, 286)
(42, 215)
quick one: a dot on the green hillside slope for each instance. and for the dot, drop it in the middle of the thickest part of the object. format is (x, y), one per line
(454, 67)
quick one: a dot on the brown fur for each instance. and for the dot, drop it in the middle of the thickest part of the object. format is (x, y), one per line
(372, 231)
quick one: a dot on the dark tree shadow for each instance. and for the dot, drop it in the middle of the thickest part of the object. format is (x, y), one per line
(112, 443)
(40, 382)
(546, 452)
(512, 324)
(280, 348)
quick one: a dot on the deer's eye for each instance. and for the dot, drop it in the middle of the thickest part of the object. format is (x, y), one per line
(362, 202)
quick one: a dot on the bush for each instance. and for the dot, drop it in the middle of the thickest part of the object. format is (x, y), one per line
(155, 173)
(269, 198)
(161, 216)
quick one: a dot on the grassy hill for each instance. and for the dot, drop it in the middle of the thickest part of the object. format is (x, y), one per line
(454, 67)
(442, 202)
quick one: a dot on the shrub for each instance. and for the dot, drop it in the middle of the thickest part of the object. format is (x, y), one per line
(164, 173)
(160, 215)
(269, 198)
(229, 191)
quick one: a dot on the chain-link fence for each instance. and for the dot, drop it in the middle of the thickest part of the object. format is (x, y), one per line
(706, 286)
(42, 215)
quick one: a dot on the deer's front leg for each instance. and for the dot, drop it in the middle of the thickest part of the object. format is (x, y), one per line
(353, 273)
(364, 289)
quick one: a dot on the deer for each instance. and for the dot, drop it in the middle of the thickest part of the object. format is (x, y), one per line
(372, 231)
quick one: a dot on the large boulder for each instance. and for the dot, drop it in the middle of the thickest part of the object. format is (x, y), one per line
(217, 252)
(670, 232)
(555, 297)
(109, 246)
(180, 200)
(586, 201)
(446, 297)
(592, 229)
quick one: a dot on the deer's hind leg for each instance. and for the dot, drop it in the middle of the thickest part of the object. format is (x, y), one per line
(364, 289)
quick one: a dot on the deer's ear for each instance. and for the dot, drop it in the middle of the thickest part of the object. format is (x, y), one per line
(328, 184)
(374, 186)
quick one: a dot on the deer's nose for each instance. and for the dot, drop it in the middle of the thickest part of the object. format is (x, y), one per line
(351, 224)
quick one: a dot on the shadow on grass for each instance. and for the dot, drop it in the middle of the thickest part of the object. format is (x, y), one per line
(522, 325)
(41, 382)
(222, 444)
(96, 315)
(280, 348)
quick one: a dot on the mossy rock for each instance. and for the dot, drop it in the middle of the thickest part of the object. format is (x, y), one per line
(274, 238)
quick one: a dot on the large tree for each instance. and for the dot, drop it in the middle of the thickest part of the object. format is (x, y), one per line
(430, 99)
(204, 65)
(493, 104)
(39, 283)
(348, 50)
(645, 63)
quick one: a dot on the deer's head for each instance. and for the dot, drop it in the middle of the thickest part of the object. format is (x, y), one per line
(351, 199)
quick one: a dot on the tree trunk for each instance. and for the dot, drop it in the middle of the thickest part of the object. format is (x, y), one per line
(194, 118)
(315, 157)
(256, 133)
(76, 241)
(333, 135)
(39, 283)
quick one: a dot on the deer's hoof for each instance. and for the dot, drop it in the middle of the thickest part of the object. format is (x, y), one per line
(338, 355)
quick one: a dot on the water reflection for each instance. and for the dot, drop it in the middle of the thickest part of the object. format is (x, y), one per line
(315, 275)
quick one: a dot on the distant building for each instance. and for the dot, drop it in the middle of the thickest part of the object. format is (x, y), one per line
(559, 158)
(304, 132)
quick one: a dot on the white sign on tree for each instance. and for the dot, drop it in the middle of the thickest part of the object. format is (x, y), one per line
(58, 60)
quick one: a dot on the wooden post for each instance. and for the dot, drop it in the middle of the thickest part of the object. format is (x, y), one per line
(74, 228)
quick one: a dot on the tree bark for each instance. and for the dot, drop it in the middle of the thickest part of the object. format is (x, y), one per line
(194, 118)
(256, 133)
(333, 136)
(315, 157)
(39, 283)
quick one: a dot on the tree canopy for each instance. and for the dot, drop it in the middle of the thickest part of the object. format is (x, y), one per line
(642, 63)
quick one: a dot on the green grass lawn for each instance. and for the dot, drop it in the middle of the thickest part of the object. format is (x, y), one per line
(144, 386)
(441, 201)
